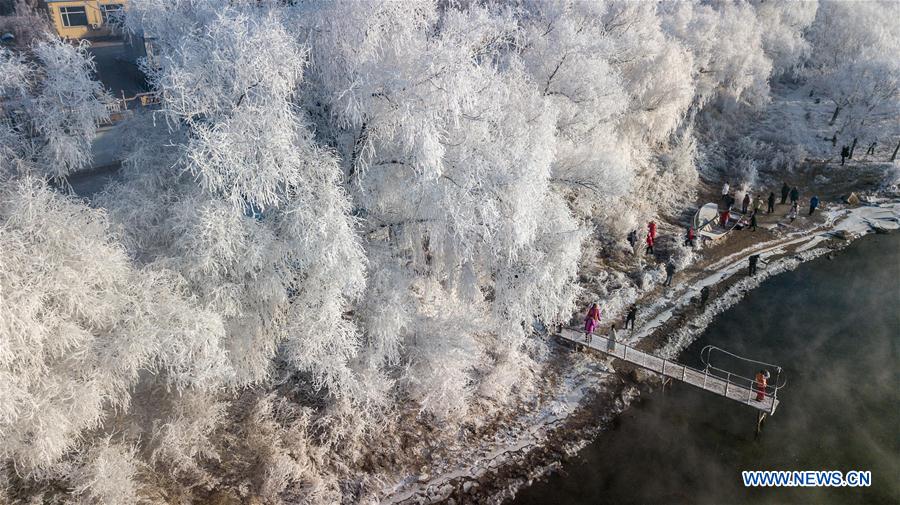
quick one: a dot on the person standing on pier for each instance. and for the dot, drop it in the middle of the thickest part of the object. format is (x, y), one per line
(612, 338)
(762, 380)
(591, 321)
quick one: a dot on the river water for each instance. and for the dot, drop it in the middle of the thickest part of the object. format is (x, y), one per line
(834, 325)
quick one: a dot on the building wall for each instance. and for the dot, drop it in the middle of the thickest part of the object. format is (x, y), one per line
(92, 9)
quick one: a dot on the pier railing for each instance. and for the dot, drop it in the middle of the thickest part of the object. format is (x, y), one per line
(715, 380)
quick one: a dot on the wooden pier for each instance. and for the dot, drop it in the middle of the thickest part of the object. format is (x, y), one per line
(714, 380)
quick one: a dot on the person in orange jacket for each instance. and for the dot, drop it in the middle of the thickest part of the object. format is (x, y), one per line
(762, 380)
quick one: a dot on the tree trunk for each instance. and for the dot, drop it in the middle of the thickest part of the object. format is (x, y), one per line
(837, 110)
(852, 148)
(894, 156)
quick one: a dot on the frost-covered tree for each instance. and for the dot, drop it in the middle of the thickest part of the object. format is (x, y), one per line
(256, 219)
(567, 51)
(78, 321)
(725, 39)
(447, 147)
(53, 108)
(853, 63)
(785, 24)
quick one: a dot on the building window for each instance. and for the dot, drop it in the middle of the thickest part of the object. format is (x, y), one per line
(73, 16)
(111, 12)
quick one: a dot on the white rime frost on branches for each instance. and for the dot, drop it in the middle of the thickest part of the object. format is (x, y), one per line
(54, 107)
(79, 322)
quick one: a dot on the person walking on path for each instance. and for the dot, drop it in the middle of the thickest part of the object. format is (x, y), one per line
(753, 221)
(771, 207)
(871, 149)
(784, 193)
(631, 317)
(813, 203)
(761, 382)
(845, 153)
(670, 273)
(795, 194)
(689, 238)
(649, 244)
(591, 320)
(746, 204)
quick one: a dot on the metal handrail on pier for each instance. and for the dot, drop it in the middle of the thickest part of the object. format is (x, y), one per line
(731, 385)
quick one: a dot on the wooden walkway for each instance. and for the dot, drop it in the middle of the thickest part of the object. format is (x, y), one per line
(731, 386)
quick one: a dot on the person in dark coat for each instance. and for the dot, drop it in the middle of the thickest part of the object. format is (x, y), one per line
(746, 203)
(632, 238)
(871, 149)
(670, 273)
(784, 193)
(845, 153)
(795, 194)
(753, 221)
(813, 203)
(753, 262)
(704, 295)
(771, 207)
(631, 317)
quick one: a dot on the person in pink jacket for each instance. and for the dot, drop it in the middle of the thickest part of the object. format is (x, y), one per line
(591, 321)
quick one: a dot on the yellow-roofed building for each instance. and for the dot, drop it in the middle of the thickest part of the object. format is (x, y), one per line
(83, 19)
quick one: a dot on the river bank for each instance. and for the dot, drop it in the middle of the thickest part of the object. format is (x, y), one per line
(591, 392)
(830, 325)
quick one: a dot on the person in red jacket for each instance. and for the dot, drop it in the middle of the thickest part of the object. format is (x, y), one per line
(651, 226)
(649, 244)
(762, 380)
(689, 238)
